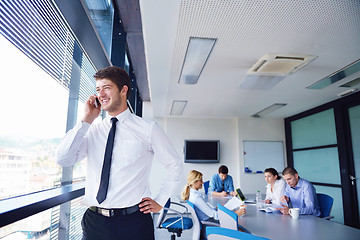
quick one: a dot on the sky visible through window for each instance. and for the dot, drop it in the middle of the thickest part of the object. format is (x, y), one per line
(30, 99)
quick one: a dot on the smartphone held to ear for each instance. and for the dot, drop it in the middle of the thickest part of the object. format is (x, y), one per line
(97, 102)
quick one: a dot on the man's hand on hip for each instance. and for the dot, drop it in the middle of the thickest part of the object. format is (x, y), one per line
(148, 205)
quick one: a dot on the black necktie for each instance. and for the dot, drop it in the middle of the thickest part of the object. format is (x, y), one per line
(105, 174)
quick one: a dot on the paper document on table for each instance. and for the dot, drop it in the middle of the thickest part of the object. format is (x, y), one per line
(270, 209)
(233, 203)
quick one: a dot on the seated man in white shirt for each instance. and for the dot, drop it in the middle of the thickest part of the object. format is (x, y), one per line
(120, 200)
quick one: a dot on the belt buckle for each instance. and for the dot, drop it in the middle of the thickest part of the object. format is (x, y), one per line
(104, 212)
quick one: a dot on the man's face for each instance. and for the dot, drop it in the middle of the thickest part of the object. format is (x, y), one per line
(291, 180)
(110, 97)
(222, 176)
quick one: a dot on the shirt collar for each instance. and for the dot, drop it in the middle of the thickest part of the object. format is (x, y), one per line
(299, 184)
(122, 116)
(195, 191)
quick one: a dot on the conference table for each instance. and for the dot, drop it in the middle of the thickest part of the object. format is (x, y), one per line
(277, 226)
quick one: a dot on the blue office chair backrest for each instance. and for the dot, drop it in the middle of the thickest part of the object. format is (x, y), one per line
(206, 187)
(219, 233)
(196, 221)
(325, 203)
(227, 218)
(163, 213)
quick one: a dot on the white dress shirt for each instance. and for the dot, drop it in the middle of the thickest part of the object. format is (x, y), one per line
(278, 191)
(136, 142)
(206, 210)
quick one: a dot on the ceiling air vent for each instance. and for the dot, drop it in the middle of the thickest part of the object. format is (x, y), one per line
(279, 64)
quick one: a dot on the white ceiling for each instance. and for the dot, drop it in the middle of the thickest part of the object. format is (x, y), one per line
(245, 31)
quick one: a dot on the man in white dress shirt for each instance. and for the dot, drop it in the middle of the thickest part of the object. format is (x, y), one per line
(124, 212)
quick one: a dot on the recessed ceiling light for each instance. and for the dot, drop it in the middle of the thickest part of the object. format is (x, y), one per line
(352, 83)
(269, 110)
(258, 82)
(347, 92)
(197, 53)
(178, 107)
(337, 76)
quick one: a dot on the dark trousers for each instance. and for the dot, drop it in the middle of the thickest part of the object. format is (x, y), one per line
(135, 226)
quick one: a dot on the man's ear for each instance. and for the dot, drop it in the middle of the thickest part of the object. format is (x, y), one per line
(124, 90)
(296, 176)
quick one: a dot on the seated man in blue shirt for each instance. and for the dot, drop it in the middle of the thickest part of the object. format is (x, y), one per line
(221, 184)
(299, 193)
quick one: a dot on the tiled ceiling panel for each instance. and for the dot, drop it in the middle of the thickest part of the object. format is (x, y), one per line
(245, 31)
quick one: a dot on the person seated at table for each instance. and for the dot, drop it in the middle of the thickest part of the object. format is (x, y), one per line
(204, 210)
(221, 183)
(299, 193)
(275, 187)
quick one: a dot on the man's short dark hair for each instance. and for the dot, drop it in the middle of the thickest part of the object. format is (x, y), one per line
(289, 170)
(223, 169)
(116, 75)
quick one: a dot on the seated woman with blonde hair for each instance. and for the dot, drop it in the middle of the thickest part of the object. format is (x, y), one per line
(204, 211)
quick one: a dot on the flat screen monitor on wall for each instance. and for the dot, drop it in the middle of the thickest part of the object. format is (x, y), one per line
(202, 151)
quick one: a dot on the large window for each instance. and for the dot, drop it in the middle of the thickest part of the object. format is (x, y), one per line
(45, 80)
(34, 110)
(45, 225)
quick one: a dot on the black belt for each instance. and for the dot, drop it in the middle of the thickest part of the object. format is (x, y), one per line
(115, 211)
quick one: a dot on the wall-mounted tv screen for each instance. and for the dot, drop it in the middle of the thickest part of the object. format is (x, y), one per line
(202, 151)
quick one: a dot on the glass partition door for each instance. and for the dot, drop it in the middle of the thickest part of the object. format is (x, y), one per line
(323, 144)
(316, 156)
(354, 117)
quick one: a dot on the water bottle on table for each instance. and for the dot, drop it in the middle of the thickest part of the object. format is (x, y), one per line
(258, 200)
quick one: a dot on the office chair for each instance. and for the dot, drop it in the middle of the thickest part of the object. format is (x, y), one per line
(197, 224)
(219, 233)
(177, 224)
(325, 204)
(206, 187)
(229, 219)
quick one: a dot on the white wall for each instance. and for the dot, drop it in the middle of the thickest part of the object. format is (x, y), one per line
(230, 132)
(207, 129)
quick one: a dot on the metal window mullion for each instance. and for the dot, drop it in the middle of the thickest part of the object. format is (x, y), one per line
(67, 175)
